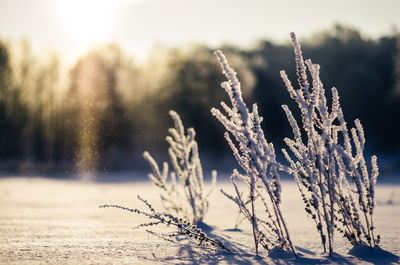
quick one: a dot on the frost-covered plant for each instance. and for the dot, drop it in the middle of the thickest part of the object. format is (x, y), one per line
(183, 229)
(356, 229)
(240, 217)
(184, 155)
(257, 159)
(324, 160)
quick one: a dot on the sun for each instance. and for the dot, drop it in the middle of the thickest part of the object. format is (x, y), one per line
(89, 21)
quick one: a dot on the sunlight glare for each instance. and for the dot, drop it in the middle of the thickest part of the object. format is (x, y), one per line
(89, 21)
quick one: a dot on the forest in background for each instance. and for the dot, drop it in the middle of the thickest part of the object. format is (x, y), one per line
(103, 112)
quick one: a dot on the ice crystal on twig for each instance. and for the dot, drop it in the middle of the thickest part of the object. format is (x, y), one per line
(184, 155)
(257, 159)
(182, 228)
(323, 160)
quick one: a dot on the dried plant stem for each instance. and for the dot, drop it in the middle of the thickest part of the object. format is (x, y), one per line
(183, 227)
(324, 160)
(257, 158)
(184, 156)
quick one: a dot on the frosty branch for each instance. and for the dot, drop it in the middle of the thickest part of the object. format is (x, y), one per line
(184, 155)
(183, 229)
(257, 159)
(323, 160)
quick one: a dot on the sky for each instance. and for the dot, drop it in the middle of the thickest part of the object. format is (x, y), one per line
(72, 27)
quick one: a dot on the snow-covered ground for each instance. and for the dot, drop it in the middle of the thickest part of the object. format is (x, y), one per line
(59, 222)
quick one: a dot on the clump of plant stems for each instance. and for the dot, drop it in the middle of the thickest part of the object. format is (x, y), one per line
(256, 157)
(182, 228)
(188, 199)
(324, 162)
(327, 163)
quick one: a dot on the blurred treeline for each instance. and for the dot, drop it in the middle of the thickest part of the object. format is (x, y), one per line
(107, 109)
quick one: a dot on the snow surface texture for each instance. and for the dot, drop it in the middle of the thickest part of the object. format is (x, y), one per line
(59, 222)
